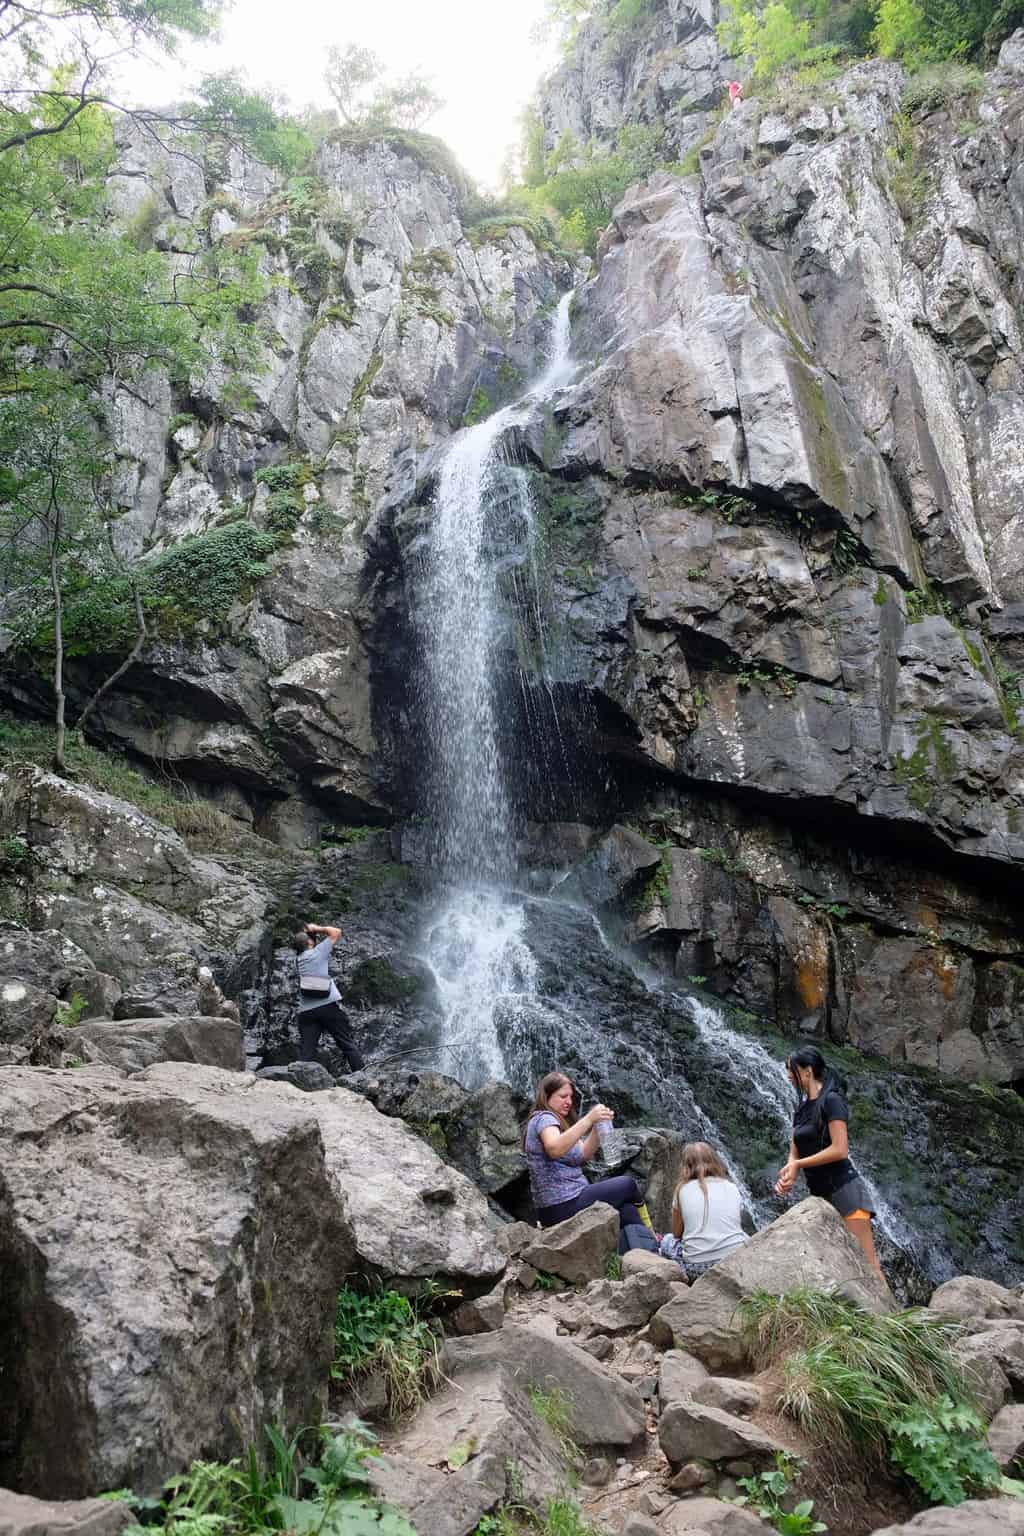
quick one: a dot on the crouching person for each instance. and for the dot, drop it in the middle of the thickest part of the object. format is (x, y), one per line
(706, 1213)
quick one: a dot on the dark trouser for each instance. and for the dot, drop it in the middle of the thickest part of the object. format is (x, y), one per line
(622, 1192)
(333, 1019)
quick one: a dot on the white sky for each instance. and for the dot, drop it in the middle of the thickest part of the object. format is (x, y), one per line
(477, 54)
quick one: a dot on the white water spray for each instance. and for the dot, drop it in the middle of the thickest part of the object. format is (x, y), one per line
(475, 947)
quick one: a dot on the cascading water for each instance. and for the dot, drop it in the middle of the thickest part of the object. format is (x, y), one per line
(483, 969)
(525, 981)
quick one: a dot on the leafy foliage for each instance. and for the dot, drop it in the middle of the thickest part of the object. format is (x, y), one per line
(942, 1449)
(357, 81)
(888, 1386)
(581, 185)
(252, 1495)
(764, 1492)
(383, 1331)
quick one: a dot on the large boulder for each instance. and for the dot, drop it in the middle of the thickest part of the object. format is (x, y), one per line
(605, 1410)
(172, 1245)
(1001, 1345)
(807, 1246)
(21, 1515)
(577, 1249)
(480, 1133)
(623, 1306)
(978, 1517)
(411, 1215)
(131, 1045)
(128, 893)
(680, 1374)
(175, 1241)
(1006, 1436)
(967, 1298)
(475, 1444)
(688, 1429)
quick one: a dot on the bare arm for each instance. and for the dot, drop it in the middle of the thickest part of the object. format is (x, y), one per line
(334, 934)
(787, 1175)
(835, 1153)
(557, 1143)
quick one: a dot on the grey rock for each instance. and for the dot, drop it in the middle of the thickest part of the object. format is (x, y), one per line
(605, 1410)
(808, 1245)
(968, 1297)
(488, 1415)
(741, 1398)
(1000, 1345)
(481, 1314)
(977, 1517)
(689, 1429)
(597, 1472)
(577, 1249)
(135, 1260)
(310, 1076)
(1006, 1437)
(379, 1167)
(611, 866)
(21, 1515)
(134, 1044)
(639, 1261)
(600, 1346)
(621, 1306)
(681, 1374)
(711, 1517)
(514, 1236)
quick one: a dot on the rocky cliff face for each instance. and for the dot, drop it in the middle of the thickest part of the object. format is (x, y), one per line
(781, 557)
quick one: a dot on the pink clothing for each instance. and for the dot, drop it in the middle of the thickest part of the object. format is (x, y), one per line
(735, 91)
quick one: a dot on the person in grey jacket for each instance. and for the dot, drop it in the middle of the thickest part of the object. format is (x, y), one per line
(319, 999)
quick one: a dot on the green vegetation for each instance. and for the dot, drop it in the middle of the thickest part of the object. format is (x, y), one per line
(613, 1268)
(886, 1387)
(807, 38)
(69, 1014)
(562, 1517)
(764, 1492)
(384, 1331)
(554, 1409)
(576, 186)
(262, 1492)
(479, 408)
(196, 820)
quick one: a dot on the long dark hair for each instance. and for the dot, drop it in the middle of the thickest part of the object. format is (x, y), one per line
(550, 1083)
(810, 1056)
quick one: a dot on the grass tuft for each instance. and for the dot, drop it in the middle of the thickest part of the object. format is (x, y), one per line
(383, 1331)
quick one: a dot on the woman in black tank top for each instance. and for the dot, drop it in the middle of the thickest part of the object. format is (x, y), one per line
(820, 1148)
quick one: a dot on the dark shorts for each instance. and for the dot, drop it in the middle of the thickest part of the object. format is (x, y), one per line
(852, 1196)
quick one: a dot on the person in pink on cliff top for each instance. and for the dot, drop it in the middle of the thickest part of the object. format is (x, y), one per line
(735, 89)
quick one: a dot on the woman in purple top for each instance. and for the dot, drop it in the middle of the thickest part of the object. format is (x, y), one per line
(557, 1145)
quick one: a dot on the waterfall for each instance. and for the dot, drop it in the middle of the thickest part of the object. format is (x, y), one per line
(483, 969)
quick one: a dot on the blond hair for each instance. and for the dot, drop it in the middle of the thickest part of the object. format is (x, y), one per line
(700, 1162)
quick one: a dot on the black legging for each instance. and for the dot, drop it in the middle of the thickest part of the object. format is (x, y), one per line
(333, 1019)
(622, 1192)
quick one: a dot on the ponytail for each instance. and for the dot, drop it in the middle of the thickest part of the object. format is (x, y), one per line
(831, 1082)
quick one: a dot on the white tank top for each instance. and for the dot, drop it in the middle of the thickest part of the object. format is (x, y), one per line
(708, 1238)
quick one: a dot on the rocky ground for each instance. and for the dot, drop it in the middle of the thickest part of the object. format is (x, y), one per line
(173, 1240)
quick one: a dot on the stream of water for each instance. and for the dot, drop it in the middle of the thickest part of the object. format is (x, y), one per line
(525, 981)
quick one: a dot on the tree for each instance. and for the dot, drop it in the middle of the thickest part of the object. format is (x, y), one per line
(54, 521)
(364, 97)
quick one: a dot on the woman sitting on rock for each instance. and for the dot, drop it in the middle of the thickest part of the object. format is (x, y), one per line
(557, 1145)
(820, 1148)
(706, 1212)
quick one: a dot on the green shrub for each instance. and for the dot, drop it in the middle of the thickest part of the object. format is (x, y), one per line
(942, 85)
(765, 1491)
(382, 1331)
(196, 820)
(261, 1492)
(887, 1387)
(942, 1449)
